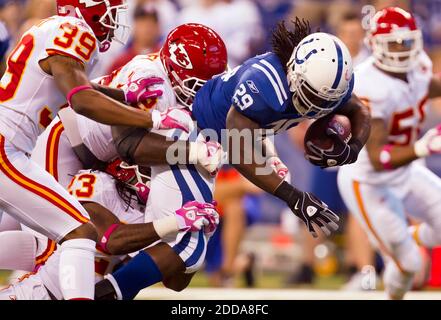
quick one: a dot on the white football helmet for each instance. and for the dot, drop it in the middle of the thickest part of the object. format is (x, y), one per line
(319, 74)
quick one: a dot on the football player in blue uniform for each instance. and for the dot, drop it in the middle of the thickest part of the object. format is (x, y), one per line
(307, 76)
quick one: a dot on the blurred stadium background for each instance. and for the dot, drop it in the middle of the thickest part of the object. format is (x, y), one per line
(260, 244)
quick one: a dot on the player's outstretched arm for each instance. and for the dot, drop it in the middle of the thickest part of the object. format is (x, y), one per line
(141, 147)
(242, 156)
(113, 93)
(385, 156)
(72, 81)
(123, 240)
(360, 119)
(312, 211)
(117, 238)
(135, 91)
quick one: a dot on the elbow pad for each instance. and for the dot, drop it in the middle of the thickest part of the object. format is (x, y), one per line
(126, 140)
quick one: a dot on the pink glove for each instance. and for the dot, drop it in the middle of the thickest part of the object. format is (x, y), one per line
(278, 166)
(136, 91)
(195, 216)
(212, 216)
(172, 119)
(207, 154)
(142, 191)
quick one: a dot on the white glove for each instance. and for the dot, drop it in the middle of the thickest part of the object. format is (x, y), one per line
(207, 154)
(279, 167)
(430, 143)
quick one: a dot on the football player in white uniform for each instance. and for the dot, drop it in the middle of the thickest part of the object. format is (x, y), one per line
(112, 200)
(386, 182)
(47, 68)
(73, 142)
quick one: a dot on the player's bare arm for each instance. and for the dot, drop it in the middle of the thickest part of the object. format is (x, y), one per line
(384, 156)
(141, 147)
(298, 201)
(270, 182)
(134, 91)
(360, 119)
(435, 86)
(69, 74)
(118, 238)
(127, 237)
(114, 93)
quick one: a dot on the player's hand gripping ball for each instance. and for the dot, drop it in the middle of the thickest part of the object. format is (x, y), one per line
(328, 142)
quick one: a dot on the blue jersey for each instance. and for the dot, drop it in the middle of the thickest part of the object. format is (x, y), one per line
(258, 89)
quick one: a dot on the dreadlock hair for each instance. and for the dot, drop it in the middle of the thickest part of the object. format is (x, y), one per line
(125, 193)
(283, 41)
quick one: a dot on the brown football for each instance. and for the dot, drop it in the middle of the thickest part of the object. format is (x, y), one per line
(317, 132)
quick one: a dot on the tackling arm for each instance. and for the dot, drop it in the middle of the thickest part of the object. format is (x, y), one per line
(117, 94)
(69, 74)
(139, 146)
(125, 238)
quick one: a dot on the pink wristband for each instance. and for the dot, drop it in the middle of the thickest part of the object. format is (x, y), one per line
(385, 157)
(75, 91)
(106, 236)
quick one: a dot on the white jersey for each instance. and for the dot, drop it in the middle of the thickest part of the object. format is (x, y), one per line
(98, 187)
(30, 98)
(97, 136)
(400, 104)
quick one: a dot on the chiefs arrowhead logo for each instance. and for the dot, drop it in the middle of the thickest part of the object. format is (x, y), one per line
(90, 3)
(179, 55)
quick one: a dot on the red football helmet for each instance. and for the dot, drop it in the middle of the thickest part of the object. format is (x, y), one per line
(391, 27)
(132, 177)
(107, 18)
(191, 55)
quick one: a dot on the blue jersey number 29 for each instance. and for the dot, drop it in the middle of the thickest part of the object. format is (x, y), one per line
(242, 99)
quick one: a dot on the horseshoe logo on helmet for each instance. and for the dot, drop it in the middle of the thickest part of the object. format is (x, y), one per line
(179, 55)
(313, 51)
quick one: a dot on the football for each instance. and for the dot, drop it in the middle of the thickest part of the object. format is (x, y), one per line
(318, 131)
